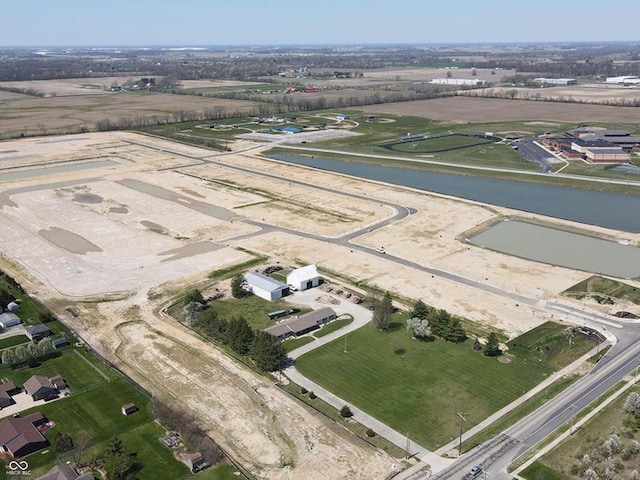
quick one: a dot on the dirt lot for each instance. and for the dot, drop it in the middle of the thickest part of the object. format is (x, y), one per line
(33, 115)
(147, 225)
(469, 109)
(594, 94)
(71, 86)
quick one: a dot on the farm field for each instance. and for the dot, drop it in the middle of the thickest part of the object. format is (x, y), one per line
(418, 386)
(476, 110)
(65, 114)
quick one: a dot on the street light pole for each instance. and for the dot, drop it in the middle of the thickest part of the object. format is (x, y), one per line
(573, 414)
(462, 420)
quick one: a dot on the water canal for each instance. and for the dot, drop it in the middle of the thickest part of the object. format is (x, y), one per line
(611, 210)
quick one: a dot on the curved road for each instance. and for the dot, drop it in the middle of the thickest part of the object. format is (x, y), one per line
(496, 454)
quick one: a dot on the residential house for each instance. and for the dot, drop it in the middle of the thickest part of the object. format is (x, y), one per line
(20, 436)
(9, 319)
(38, 332)
(40, 387)
(7, 390)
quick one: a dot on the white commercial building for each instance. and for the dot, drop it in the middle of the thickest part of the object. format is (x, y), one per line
(470, 82)
(556, 81)
(304, 278)
(265, 287)
(625, 80)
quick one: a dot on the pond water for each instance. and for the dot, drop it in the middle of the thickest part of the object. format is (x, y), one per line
(606, 209)
(560, 247)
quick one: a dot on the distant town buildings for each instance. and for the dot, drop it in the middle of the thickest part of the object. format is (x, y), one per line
(555, 81)
(624, 80)
(469, 82)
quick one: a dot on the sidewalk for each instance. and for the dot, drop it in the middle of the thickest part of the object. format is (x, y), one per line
(539, 388)
(436, 462)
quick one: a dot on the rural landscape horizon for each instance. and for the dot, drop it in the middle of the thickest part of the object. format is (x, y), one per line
(341, 241)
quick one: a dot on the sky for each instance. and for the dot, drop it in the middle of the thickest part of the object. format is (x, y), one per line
(313, 22)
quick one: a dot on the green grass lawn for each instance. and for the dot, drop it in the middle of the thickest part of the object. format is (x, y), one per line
(332, 327)
(225, 471)
(97, 394)
(292, 344)
(607, 287)
(13, 341)
(438, 144)
(421, 389)
(253, 308)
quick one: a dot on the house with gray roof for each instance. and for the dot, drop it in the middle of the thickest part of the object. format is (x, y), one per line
(9, 319)
(64, 472)
(38, 332)
(306, 323)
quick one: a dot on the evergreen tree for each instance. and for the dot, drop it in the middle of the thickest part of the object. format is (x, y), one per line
(455, 331)
(193, 295)
(421, 310)
(492, 347)
(238, 335)
(236, 287)
(268, 352)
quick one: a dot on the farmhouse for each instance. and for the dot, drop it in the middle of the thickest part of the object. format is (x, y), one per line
(40, 387)
(20, 436)
(303, 278)
(265, 287)
(38, 332)
(9, 319)
(306, 323)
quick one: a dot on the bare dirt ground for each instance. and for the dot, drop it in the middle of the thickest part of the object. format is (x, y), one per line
(216, 83)
(593, 94)
(470, 109)
(157, 231)
(71, 86)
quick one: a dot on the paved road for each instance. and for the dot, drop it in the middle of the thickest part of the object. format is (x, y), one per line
(496, 454)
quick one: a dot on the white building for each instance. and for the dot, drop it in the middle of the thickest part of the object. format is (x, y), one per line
(626, 80)
(265, 287)
(9, 319)
(556, 81)
(471, 82)
(304, 278)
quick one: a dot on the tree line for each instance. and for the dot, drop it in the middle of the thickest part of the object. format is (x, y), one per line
(265, 350)
(426, 321)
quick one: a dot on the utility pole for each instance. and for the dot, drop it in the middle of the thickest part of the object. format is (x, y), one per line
(463, 419)
(408, 448)
(573, 414)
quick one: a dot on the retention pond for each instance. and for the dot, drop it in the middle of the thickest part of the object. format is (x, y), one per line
(560, 247)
